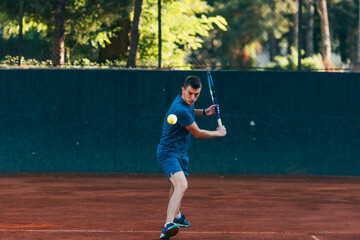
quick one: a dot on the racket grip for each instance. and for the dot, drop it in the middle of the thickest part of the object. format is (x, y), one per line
(219, 122)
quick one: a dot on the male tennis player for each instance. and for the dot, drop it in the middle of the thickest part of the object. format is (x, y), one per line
(173, 146)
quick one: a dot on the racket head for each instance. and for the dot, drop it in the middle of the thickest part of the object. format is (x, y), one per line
(213, 96)
(211, 86)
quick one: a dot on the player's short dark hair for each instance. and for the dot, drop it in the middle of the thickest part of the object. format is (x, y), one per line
(193, 81)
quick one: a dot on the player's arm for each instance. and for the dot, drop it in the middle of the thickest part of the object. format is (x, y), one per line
(200, 133)
(208, 111)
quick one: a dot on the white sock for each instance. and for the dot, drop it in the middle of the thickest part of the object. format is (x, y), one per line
(178, 216)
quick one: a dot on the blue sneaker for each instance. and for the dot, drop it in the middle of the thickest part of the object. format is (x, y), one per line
(181, 222)
(171, 229)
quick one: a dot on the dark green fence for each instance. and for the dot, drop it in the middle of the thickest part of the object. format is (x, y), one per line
(111, 120)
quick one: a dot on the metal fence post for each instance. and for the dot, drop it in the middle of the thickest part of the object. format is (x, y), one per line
(159, 32)
(299, 35)
(20, 46)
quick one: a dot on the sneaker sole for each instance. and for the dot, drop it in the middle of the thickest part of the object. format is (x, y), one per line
(171, 232)
(165, 238)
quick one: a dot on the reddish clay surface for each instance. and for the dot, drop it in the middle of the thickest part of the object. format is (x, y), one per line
(115, 206)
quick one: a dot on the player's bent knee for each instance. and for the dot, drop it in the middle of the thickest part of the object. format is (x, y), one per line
(183, 187)
(179, 182)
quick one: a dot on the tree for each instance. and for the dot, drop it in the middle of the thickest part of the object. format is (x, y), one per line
(117, 49)
(59, 34)
(325, 33)
(344, 28)
(135, 34)
(16, 23)
(295, 30)
(251, 25)
(309, 34)
(187, 23)
(358, 34)
(89, 24)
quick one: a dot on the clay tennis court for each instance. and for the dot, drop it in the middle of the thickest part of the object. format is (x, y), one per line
(116, 206)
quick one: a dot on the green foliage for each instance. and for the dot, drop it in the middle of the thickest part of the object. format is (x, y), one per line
(89, 23)
(81, 63)
(230, 34)
(11, 28)
(9, 60)
(184, 23)
(290, 62)
(250, 22)
(312, 63)
(344, 13)
(9, 19)
(13, 61)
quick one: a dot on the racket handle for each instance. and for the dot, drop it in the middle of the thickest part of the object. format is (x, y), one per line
(219, 122)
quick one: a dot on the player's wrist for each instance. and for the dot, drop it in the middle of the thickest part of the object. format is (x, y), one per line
(204, 112)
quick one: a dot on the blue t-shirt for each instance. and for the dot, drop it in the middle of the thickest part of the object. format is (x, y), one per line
(175, 139)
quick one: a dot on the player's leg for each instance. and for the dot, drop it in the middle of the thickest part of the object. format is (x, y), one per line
(170, 165)
(179, 184)
(173, 167)
(170, 195)
(177, 190)
(179, 217)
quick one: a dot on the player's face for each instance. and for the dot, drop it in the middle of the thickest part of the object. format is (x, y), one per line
(190, 95)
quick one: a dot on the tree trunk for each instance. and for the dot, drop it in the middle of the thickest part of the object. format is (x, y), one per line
(325, 29)
(358, 35)
(295, 35)
(135, 34)
(273, 42)
(59, 34)
(349, 43)
(309, 39)
(273, 47)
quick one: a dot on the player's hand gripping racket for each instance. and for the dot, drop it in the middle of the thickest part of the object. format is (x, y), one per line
(213, 97)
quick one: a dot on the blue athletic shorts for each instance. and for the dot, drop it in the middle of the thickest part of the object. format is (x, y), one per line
(174, 164)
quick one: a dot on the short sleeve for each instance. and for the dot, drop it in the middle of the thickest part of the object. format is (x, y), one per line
(185, 118)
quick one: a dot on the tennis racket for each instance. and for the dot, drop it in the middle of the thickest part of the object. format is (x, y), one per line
(213, 96)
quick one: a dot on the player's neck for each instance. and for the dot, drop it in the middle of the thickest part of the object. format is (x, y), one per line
(185, 100)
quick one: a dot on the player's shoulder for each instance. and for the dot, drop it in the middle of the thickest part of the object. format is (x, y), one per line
(179, 103)
(179, 109)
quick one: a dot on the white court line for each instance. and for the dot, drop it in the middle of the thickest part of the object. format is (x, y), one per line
(59, 230)
(333, 233)
(246, 233)
(134, 231)
(312, 234)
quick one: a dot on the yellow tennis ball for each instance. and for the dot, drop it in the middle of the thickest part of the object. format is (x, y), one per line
(172, 119)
